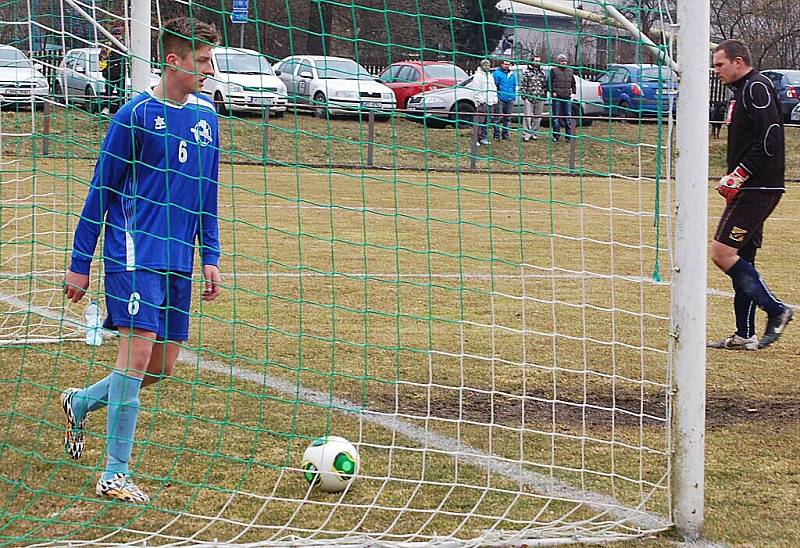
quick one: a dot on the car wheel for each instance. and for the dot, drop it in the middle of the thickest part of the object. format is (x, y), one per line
(91, 101)
(59, 93)
(622, 110)
(578, 114)
(219, 102)
(435, 122)
(320, 107)
(462, 112)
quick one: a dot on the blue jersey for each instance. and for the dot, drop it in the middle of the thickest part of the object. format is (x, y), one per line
(155, 187)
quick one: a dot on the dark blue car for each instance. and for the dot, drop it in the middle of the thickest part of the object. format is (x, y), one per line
(787, 84)
(631, 91)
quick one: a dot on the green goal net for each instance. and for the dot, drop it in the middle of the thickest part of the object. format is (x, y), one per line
(487, 322)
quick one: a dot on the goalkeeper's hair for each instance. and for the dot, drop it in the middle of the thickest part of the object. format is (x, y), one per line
(734, 49)
(182, 35)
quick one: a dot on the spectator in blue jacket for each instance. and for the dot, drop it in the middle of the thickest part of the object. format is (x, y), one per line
(506, 81)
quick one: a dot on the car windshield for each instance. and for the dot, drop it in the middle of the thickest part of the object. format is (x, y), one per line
(342, 69)
(657, 74)
(445, 72)
(13, 58)
(243, 63)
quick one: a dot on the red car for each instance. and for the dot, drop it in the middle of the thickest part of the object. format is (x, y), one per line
(408, 78)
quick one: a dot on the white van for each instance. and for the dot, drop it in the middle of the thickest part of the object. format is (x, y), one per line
(244, 81)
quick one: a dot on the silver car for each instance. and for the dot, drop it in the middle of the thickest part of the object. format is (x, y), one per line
(334, 85)
(20, 81)
(78, 77)
(442, 107)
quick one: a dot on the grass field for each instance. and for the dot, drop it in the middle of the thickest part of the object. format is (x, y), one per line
(456, 325)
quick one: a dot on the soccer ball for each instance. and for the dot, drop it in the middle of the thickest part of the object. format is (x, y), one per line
(330, 463)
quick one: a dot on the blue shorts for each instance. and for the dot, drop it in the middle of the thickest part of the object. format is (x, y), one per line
(153, 301)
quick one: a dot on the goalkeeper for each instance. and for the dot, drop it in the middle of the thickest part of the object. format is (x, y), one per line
(155, 191)
(752, 189)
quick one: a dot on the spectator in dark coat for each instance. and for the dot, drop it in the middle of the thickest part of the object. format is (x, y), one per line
(561, 84)
(112, 66)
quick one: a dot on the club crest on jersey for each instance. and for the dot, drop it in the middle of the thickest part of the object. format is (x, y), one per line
(160, 123)
(202, 133)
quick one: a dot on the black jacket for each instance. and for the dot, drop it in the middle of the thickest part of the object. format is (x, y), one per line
(755, 134)
(561, 82)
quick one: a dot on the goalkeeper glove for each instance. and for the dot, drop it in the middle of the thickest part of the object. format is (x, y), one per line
(730, 185)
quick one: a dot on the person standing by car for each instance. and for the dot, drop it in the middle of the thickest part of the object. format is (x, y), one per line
(752, 189)
(112, 66)
(561, 84)
(506, 82)
(534, 93)
(485, 97)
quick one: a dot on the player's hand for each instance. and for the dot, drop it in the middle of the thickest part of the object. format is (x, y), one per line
(75, 285)
(730, 185)
(213, 281)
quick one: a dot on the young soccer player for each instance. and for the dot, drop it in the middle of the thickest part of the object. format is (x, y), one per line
(155, 191)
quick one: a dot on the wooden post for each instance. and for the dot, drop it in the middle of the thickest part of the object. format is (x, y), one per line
(46, 129)
(371, 138)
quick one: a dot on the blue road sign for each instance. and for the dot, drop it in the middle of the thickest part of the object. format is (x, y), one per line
(239, 11)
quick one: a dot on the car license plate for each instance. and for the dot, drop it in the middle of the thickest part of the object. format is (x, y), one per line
(372, 104)
(261, 100)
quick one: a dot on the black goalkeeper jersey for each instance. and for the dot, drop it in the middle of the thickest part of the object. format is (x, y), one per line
(755, 134)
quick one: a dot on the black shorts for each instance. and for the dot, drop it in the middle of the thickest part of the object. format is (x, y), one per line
(743, 219)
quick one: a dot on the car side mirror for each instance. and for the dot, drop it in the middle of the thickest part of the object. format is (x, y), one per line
(305, 74)
(277, 73)
(80, 68)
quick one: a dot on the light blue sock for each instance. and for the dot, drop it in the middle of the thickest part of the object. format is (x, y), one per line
(123, 410)
(91, 398)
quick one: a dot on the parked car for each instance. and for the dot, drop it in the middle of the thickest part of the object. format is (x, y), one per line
(334, 85)
(442, 107)
(244, 80)
(631, 91)
(79, 80)
(787, 84)
(408, 78)
(20, 81)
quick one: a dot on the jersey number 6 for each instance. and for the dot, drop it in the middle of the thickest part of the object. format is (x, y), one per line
(183, 152)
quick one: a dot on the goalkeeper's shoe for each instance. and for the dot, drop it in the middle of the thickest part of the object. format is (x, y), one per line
(775, 326)
(736, 342)
(74, 436)
(120, 487)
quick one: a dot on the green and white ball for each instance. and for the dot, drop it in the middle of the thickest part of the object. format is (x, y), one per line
(330, 463)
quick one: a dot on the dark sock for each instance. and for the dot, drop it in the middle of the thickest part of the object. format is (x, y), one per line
(748, 282)
(745, 310)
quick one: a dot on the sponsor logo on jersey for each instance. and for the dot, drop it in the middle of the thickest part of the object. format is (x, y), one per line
(160, 123)
(202, 133)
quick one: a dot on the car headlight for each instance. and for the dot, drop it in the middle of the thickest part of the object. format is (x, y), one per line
(346, 94)
(41, 83)
(432, 101)
(387, 96)
(281, 90)
(235, 88)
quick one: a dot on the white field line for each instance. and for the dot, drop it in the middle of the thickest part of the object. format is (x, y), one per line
(516, 472)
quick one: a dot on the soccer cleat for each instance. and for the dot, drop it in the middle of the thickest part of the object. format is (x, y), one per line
(74, 435)
(120, 487)
(775, 326)
(736, 342)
